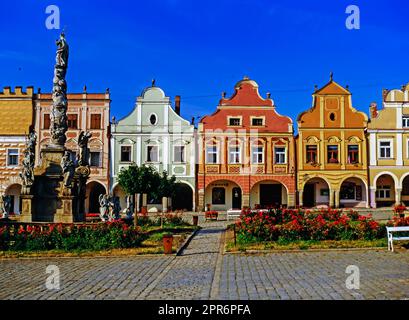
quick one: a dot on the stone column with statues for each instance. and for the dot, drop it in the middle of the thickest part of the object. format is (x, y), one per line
(55, 190)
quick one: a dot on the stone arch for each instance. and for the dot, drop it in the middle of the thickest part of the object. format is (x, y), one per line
(93, 189)
(395, 179)
(14, 190)
(352, 195)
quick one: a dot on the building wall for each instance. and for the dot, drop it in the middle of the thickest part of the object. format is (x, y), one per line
(16, 118)
(275, 131)
(169, 130)
(332, 121)
(387, 125)
(83, 105)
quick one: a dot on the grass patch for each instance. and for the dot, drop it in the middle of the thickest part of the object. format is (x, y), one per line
(300, 245)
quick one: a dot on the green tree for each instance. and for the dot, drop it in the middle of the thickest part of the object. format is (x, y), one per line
(139, 180)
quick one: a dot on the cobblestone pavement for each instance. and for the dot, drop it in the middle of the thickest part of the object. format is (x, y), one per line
(203, 273)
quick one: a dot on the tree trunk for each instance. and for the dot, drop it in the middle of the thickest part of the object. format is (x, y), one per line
(136, 208)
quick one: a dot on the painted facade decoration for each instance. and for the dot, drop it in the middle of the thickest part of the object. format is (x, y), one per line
(87, 112)
(16, 119)
(332, 151)
(155, 134)
(388, 138)
(246, 156)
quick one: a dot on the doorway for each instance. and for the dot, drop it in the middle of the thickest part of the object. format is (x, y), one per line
(270, 195)
(236, 198)
(309, 195)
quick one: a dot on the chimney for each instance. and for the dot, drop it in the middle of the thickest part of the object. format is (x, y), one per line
(177, 105)
(373, 110)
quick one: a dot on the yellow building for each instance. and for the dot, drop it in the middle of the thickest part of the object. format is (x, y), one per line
(388, 138)
(16, 118)
(332, 151)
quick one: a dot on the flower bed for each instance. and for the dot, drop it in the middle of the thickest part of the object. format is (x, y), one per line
(295, 225)
(68, 237)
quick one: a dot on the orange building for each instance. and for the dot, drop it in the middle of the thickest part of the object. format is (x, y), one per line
(16, 119)
(246, 153)
(332, 151)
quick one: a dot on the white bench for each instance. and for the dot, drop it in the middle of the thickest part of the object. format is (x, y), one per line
(233, 213)
(391, 237)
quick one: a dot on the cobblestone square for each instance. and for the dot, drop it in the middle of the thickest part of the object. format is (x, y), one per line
(202, 272)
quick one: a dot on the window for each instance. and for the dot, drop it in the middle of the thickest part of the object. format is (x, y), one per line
(234, 154)
(257, 122)
(12, 157)
(47, 121)
(332, 153)
(405, 121)
(218, 196)
(383, 192)
(353, 154)
(258, 154)
(153, 154)
(279, 155)
(179, 153)
(126, 153)
(95, 159)
(234, 121)
(347, 191)
(211, 154)
(72, 121)
(153, 119)
(95, 121)
(385, 149)
(311, 154)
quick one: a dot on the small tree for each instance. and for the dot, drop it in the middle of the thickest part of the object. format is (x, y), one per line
(166, 188)
(139, 180)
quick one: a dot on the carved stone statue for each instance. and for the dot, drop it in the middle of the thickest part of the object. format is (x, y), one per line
(27, 174)
(68, 169)
(129, 207)
(58, 116)
(103, 207)
(62, 51)
(6, 206)
(83, 147)
(116, 208)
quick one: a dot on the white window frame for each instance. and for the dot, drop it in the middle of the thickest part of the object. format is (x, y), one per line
(263, 119)
(149, 119)
(120, 153)
(282, 153)
(184, 153)
(257, 152)
(390, 146)
(383, 190)
(234, 117)
(235, 152)
(100, 159)
(405, 121)
(216, 152)
(147, 153)
(18, 157)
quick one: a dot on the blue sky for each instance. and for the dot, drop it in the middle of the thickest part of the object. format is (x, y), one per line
(198, 49)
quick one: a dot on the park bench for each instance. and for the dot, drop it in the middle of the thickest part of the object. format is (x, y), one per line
(391, 237)
(233, 213)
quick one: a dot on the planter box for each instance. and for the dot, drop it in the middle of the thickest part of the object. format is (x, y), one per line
(211, 215)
